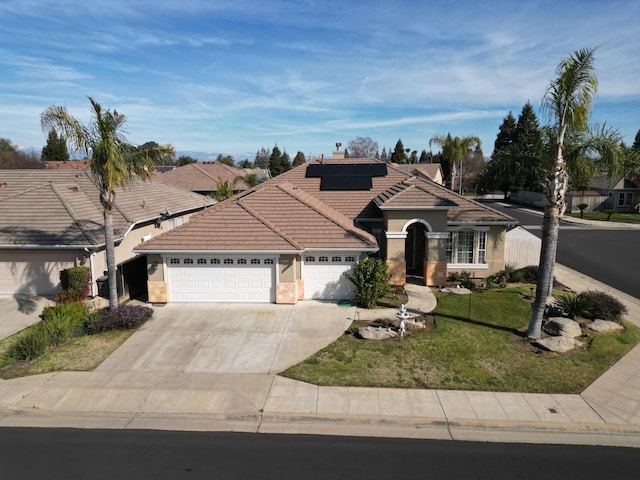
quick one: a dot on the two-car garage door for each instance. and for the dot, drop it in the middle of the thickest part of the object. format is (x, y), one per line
(222, 279)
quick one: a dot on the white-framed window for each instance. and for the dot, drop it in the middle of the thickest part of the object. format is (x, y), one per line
(201, 261)
(215, 261)
(255, 261)
(350, 258)
(188, 261)
(336, 259)
(174, 261)
(242, 261)
(309, 258)
(228, 261)
(269, 261)
(467, 246)
(323, 259)
(625, 199)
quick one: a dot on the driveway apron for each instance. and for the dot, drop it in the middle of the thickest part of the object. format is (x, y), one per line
(229, 338)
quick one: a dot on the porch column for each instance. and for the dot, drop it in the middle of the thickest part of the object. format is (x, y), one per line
(435, 259)
(396, 257)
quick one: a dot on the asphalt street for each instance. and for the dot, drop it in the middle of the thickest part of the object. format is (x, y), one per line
(159, 455)
(608, 255)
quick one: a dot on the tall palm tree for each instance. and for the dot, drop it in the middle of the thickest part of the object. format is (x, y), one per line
(567, 101)
(114, 162)
(454, 150)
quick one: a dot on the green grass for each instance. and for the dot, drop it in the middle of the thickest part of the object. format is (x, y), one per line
(83, 353)
(615, 217)
(484, 352)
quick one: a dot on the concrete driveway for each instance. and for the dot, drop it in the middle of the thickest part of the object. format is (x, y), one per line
(229, 338)
(17, 312)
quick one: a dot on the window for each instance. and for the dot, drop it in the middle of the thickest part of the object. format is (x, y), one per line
(336, 259)
(242, 261)
(255, 261)
(174, 261)
(228, 261)
(309, 258)
(625, 199)
(201, 261)
(350, 259)
(269, 261)
(215, 261)
(188, 260)
(467, 247)
(323, 259)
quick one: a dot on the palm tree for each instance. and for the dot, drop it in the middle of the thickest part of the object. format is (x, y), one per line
(454, 150)
(568, 102)
(114, 162)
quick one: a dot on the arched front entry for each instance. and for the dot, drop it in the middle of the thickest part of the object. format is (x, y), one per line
(415, 245)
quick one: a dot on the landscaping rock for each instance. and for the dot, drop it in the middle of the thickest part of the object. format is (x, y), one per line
(375, 333)
(561, 326)
(605, 326)
(456, 290)
(560, 344)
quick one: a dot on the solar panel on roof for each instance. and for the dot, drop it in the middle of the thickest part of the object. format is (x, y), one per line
(346, 169)
(331, 182)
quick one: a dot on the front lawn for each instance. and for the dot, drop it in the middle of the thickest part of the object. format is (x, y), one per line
(483, 351)
(615, 217)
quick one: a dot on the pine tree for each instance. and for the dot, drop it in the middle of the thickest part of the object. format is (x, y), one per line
(399, 155)
(299, 159)
(275, 165)
(55, 149)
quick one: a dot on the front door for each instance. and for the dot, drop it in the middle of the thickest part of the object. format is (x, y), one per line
(414, 249)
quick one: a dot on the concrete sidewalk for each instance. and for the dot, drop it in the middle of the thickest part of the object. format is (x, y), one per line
(607, 413)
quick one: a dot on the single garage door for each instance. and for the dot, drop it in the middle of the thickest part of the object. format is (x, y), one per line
(324, 278)
(33, 272)
(221, 279)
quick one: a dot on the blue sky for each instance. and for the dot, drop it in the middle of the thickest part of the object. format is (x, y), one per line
(235, 76)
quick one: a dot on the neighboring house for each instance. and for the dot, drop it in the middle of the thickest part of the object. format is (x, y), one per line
(52, 219)
(294, 236)
(624, 193)
(429, 171)
(204, 177)
(66, 164)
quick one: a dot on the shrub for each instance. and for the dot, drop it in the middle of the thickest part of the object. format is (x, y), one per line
(573, 305)
(123, 317)
(76, 279)
(603, 305)
(63, 320)
(529, 274)
(69, 296)
(371, 279)
(31, 344)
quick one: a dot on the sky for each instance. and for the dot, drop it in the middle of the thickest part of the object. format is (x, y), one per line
(235, 76)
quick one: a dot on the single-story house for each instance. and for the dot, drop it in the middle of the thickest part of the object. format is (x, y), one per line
(294, 236)
(204, 177)
(430, 171)
(624, 193)
(51, 220)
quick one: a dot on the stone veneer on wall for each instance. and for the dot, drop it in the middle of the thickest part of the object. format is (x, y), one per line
(286, 293)
(157, 292)
(398, 271)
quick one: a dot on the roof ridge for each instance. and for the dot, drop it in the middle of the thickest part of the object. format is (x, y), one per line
(268, 224)
(68, 208)
(310, 201)
(204, 172)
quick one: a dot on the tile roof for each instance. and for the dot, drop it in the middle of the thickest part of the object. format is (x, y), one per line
(275, 217)
(291, 212)
(204, 176)
(62, 207)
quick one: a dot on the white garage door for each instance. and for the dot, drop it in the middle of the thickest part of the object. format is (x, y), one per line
(32, 272)
(221, 279)
(324, 278)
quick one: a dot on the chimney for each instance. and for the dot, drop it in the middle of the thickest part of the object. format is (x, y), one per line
(338, 154)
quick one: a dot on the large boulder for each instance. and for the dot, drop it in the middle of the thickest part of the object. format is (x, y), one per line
(560, 344)
(376, 333)
(605, 326)
(561, 326)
